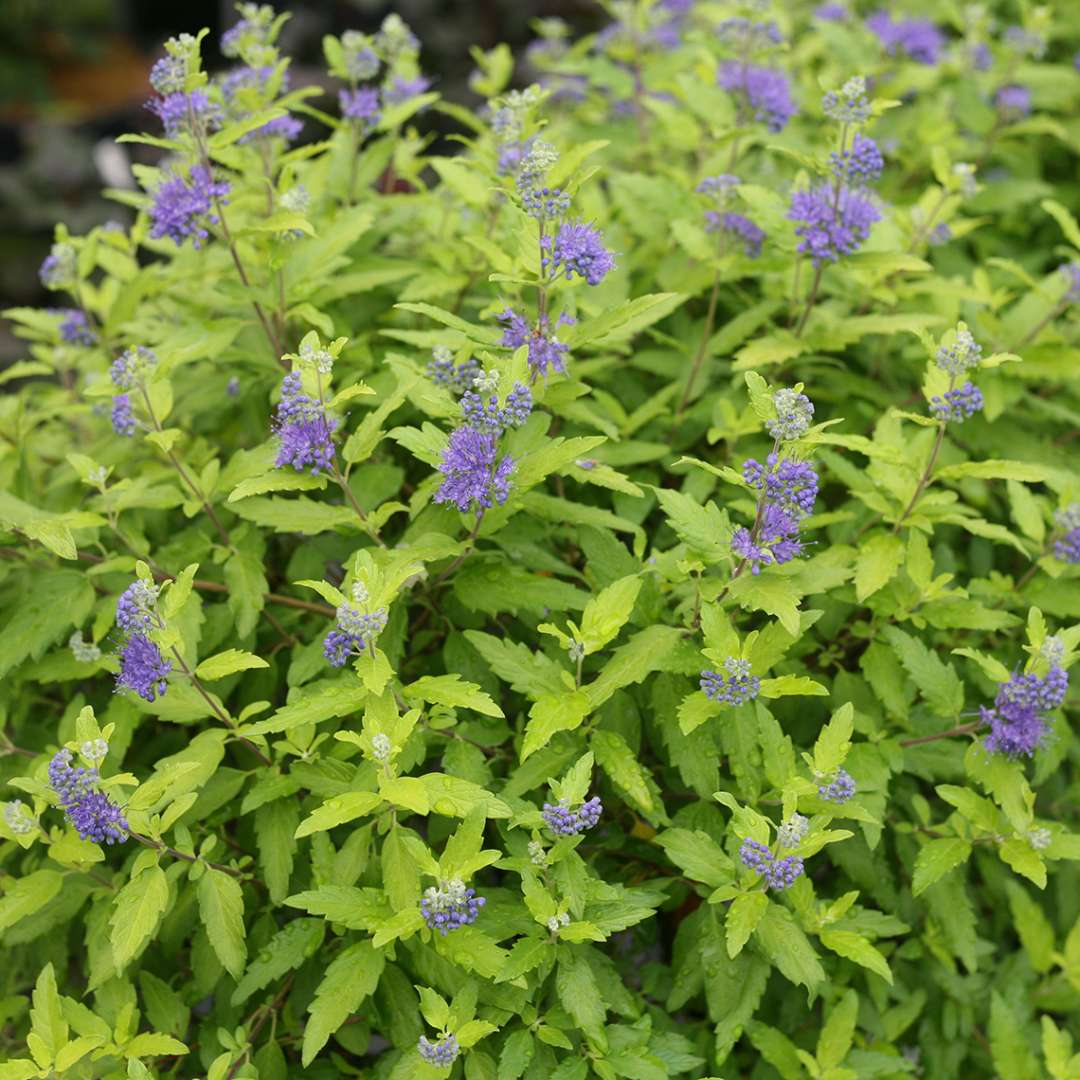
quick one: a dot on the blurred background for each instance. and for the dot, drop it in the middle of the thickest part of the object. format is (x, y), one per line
(73, 76)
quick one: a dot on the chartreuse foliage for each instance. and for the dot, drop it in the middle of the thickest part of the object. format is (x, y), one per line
(590, 597)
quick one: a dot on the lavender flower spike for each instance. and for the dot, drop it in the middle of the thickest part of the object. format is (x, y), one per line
(474, 476)
(92, 813)
(442, 1053)
(579, 249)
(182, 209)
(450, 906)
(305, 429)
(142, 668)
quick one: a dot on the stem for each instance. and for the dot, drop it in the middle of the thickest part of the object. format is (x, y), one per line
(810, 300)
(699, 356)
(264, 1012)
(146, 841)
(194, 488)
(351, 498)
(470, 543)
(960, 729)
(924, 480)
(218, 711)
(1041, 325)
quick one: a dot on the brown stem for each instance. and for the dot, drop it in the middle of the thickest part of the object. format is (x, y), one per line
(470, 544)
(924, 480)
(194, 488)
(810, 300)
(218, 711)
(703, 345)
(264, 1012)
(1041, 325)
(146, 841)
(359, 510)
(960, 729)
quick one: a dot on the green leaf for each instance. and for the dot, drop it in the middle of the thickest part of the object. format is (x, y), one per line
(352, 976)
(838, 1032)
(697, 855)
(606, 614)
(453, 796)
(28, 895)
(791, 686)
(783, 942)
(284, 952)
(137, 912)
(275, 833)
(228, 663)
(529, 673)
(624, 320)
(247, 587)
(878, 561)
(338, 810)
(616, 758)
(994, 470)
(834, 740)
(49, 1028)
(221, 907)
(857, 949)
(552, 714)
(1013, 1057)
(1034, 929)
(938, 681)
(935, 859)
(579, 993)
(743, 916)
(451, 690)
(1024, 859)
(150, 1044)
(57, 601)
(516, 1054)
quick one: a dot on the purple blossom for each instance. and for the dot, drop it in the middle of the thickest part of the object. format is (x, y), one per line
(719, 186)
(563, 821)
(355, 631)
(862, 164)
(919, 39)
(92, 813)
(457, 378)
(135, 607)
(791, 485)
(442, 1053)
(737, 687)
(168, 74)
(779, 874)
(183, 208)
(794, 414)
(304, 428)
(578, 248)
(489, 418)
(1067, 548)
(1071, 272)
(450, 906)
(737, 225)
(361, 104)
(545, 350)
(766, 91)
(1017, 726)
(980, 57)
(958, 404)
(123, 419)
(281, 127)
(831, 13)
(1013, 102)
(401, 89)
(839, 789)
(940, 234)
(75, 328)
(473, 478)
(177, 110)
(142, 668)
(831, 222)
(58, 269)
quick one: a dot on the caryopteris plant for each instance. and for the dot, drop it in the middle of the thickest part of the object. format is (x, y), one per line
(592, 596)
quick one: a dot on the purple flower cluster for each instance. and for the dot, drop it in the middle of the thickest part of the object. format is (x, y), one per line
(182, 208)
(176, 111)
(788, 490)
(92, 813)
(737, 225)
(489, 418)
(361, 104)
(980, 57)
(1013, 102)
(545, 350)
(142, 668)
(442, 1053)
(75, 328)
(958, 404)
(474, 477)
(58, 269)
(450, 906)
(779, 874)
(168, 74)
(304, 428)
(128, 369)
(401, 89)
(563, 821)
(1067, 547)
(355, 632)
(736, 688)
(122, 417)
(457, 378)
(791, 485)
(839, 789)
(1071, 273)
(833, 220)
(794, 414)
(919, 39)
(861, 165)
(578, 248)
(135, 607)
(1017, 726)
(748, 36)
(765, 90)
(831, 13)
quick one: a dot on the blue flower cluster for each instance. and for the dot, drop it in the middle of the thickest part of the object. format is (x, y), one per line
(93, 814)
(833, 220)
(354, 632)
(183, 208)
(765, 91)
(579, 249)
(1013, 102)
(794, 414)
(493, 419)
(563, 821)
(918, 39)
(142, 668)
(474, 476)
(75, 328)
(545, 350)
(361, 104)
(1017, 725)
(839, 788)
(1067, 546)
(779, 874)
(450, 906)
(305, 429)
(135, 609)
(457, 378)
(442, 1053)
(862, 164)
(737, 687)
(959, 404)
(122, 416)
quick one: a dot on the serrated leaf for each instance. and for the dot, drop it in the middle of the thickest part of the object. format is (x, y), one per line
(284, 952)
(138, 910)
(743, 916)
(228, 663)
(935, 859)
(352, 976)
(221, 907)
(878, 561)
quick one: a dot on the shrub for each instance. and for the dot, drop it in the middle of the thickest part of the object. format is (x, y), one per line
(588, 597)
